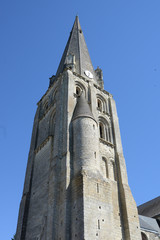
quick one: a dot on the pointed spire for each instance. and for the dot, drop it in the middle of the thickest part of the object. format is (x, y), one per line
(76, 54)
(82, 108)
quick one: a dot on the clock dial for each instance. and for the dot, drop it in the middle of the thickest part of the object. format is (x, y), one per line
(88, 74)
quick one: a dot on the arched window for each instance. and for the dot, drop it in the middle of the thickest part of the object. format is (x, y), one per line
(101, 130)
(79, 88)
(112, 170)
(78, 91)
(102, 104)
(99, 105)
(144, 237)
(104, 167)
(105, 131)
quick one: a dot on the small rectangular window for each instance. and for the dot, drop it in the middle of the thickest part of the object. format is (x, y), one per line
(98, 224)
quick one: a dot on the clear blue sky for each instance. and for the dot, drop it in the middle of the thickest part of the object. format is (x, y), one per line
(123, 38)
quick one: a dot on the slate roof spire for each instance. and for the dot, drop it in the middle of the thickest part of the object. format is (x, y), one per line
(82, 108)
(76, 53)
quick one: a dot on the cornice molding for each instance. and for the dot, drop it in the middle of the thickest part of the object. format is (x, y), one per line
(106, 143)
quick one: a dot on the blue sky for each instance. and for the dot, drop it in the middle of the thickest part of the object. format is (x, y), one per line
(123, 38)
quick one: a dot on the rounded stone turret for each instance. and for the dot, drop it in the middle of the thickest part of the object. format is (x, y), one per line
(85, 138)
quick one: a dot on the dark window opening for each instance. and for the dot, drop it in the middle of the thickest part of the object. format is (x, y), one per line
(78, 91)
(101, 131)
(144, 237)
(99, 105)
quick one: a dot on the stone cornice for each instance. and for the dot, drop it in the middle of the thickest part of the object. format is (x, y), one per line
(103, 112)
(106, 143)
(102, 90)
(78, 75)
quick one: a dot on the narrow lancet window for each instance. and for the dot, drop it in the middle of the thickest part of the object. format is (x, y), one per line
(101, 130)
(99, 105)
(104, 167)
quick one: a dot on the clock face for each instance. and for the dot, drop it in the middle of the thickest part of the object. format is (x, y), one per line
(88, 74)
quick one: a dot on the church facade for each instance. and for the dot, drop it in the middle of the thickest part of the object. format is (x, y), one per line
(76, 184)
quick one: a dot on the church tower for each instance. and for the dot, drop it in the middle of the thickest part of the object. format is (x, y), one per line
(76, 185)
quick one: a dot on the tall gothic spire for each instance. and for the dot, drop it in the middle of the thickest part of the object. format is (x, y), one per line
(76, 53)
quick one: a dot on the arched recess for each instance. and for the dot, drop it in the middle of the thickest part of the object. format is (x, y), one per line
(102, 104)
(79, 88)
(104, 167)
(144, 237)
(102, 130)
(105, 130)
(78, 91)
(54, 95)
(45, 105)
(99, 105)
(52, 124)
(112, 170)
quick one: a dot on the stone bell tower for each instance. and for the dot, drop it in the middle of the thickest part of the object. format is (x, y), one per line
(76, 183)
